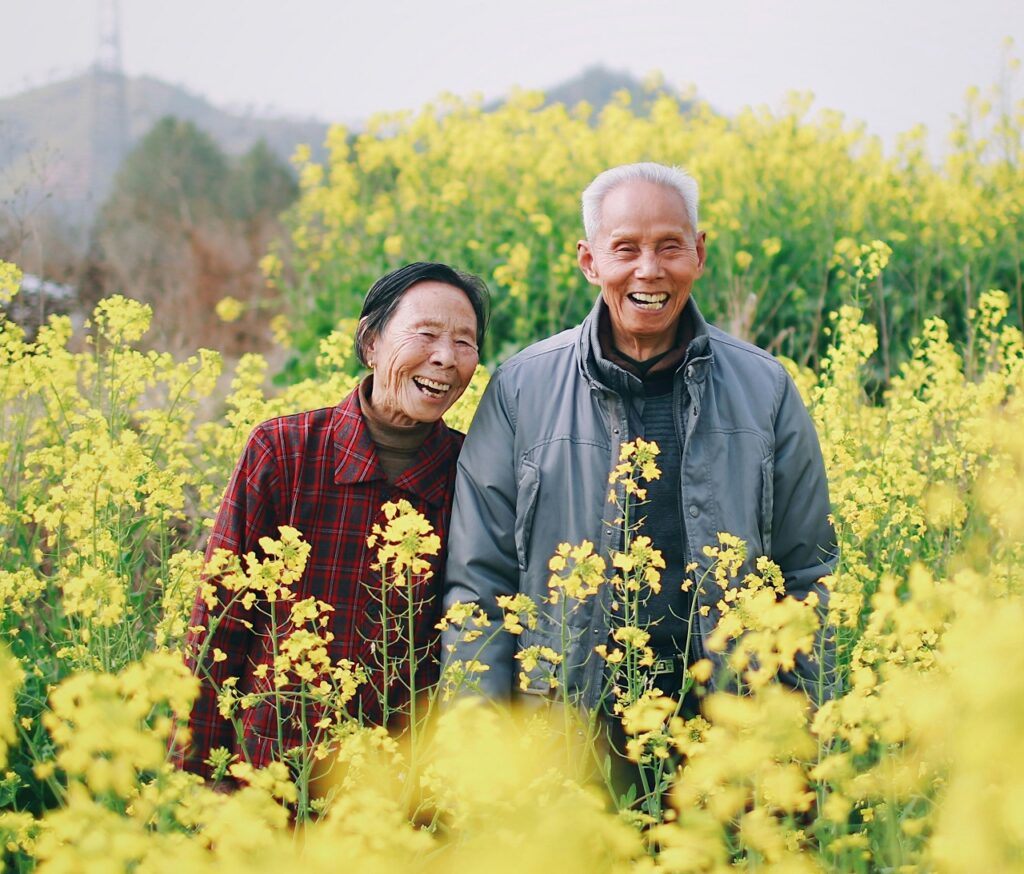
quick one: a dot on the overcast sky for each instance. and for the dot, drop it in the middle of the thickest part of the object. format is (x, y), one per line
(889, 63)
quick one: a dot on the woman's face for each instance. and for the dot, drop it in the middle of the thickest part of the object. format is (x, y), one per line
(425, 356)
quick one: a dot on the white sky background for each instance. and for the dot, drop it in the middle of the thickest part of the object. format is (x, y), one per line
(889, 63)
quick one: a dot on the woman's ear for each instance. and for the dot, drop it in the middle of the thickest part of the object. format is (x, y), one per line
(368, 339)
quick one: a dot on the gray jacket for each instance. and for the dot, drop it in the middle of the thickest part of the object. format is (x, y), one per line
(534, 473)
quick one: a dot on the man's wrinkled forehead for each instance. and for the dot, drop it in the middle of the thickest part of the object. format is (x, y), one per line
(628, 206)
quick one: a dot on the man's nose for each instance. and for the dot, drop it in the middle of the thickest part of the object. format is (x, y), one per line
(648, 264)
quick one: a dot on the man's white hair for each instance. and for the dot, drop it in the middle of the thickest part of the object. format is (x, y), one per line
(675, 178)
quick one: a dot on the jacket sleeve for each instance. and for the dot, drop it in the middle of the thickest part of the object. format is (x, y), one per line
(482, 560)
(246, 514)
(803, 539)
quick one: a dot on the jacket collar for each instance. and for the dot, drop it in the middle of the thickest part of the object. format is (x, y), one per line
(601, 372)
(355, 457)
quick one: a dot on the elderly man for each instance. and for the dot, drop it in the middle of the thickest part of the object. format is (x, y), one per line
(739, 453)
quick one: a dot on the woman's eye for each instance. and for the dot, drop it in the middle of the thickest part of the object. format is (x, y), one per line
(427, 335)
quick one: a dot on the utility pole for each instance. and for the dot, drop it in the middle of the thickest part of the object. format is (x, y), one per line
(110, 135)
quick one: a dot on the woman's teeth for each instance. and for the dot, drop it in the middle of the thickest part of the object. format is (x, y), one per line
(431, 386)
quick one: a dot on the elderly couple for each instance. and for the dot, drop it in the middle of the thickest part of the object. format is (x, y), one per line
(739, 454)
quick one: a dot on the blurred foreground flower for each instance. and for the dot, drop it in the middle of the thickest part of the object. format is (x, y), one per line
(229, 309)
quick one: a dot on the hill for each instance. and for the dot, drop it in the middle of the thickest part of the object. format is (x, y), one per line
(55, 140)
(59, 146)
(597, 85)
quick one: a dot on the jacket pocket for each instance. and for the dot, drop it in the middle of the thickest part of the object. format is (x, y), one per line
(767, 503)
(527, 489)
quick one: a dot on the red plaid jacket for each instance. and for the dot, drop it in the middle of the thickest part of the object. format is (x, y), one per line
(317, 472)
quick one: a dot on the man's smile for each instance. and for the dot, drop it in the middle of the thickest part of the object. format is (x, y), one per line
(649, 300)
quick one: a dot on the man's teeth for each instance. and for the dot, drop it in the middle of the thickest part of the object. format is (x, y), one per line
(648, 301)
(431, 385)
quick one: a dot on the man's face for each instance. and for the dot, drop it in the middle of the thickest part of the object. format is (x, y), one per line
(645, 258)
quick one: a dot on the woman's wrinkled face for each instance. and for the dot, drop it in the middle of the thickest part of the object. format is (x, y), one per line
(426, 354)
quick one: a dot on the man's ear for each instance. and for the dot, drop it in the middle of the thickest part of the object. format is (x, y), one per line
(585, 258)
(702, 252)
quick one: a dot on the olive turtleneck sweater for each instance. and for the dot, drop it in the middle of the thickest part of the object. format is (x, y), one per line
(396, 445)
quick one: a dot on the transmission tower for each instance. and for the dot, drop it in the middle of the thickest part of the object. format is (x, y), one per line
(108, 57)
(110, 136)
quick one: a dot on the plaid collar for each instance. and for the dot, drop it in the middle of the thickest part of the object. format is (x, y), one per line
(356, 457)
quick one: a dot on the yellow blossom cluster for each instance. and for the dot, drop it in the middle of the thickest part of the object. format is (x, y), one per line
(404, 541)
(577, 572)
(13, 675)
(250, 578)
(109, 463)
(921, 610)
(229, 309)
(10, 281)
(98, 722)
(802, 209)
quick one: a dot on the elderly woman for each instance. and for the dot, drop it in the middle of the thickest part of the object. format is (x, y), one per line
(327, 473)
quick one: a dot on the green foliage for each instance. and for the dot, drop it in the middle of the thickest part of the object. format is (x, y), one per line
(787, 199)
(259, 184)
(178, 174)
(185, 227)
(175, 169)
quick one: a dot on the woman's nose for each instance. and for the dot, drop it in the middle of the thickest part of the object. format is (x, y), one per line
(442, 352)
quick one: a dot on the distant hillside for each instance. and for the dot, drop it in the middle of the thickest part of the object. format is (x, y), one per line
(597, 85)
(55, 140)
(52, 138)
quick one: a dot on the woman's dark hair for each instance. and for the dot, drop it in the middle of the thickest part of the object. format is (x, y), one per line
(383, 297)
